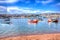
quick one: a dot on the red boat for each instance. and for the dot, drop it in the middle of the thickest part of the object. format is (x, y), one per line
(33, 21)
(49, 20)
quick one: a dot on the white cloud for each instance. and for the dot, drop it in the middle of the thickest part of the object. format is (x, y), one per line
(8, 1)
(14, 10)
(44, 2)
(51, 11)
(21, 10)
(3, 9)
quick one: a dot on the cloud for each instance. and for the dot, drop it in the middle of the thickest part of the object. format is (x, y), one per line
(58, 4)
(44, 2)
(17, 10)
(3, 9)
(25, 1)
(13, 10)
(14, 1)
(8, 1)
(37, 1)
(47, 11)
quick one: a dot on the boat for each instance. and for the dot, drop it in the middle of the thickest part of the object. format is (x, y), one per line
(34, 21)
(7, 21)
(49, 20)
(53, 20)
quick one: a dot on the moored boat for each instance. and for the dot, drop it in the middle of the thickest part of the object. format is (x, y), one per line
(49, 20)
(33, 21)
(53, 20)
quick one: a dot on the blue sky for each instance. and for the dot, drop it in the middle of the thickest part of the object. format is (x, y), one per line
(29, 6)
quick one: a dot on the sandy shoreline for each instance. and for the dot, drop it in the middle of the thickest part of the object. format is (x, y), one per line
(55, 36)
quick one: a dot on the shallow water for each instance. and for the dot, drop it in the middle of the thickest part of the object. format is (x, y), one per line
(21, 27)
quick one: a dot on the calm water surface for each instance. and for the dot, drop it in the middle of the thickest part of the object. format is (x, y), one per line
(21, 27)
